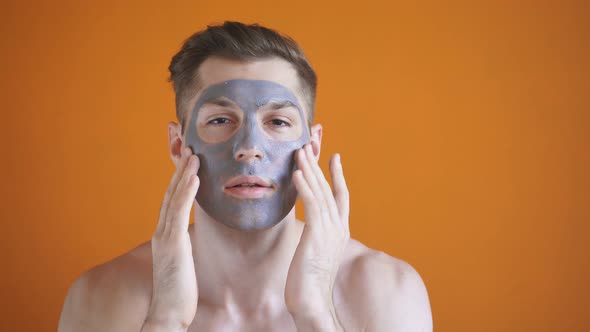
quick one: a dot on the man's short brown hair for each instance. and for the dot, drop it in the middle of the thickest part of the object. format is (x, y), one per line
(236, 41)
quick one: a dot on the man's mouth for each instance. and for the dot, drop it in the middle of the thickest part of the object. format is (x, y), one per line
(248, 187)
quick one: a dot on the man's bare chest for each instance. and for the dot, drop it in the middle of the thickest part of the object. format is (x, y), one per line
(216, 320)
(210, 319)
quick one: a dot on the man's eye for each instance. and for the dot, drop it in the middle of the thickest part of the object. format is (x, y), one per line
(219, 121)
(280, 123)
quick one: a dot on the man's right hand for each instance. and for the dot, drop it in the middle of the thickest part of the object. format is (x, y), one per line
(175, 293)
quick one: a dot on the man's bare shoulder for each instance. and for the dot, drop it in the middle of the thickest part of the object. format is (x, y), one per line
(112, 296)
(378, 292)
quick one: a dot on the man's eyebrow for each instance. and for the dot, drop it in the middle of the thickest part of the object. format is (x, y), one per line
(278, 104)
(219, 101)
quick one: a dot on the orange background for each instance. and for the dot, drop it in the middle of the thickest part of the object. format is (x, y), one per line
(463, 129)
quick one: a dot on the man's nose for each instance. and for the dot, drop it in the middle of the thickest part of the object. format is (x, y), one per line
(247, 148)
(248, 154)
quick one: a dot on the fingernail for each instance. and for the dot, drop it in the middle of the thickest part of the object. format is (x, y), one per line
(338, 159)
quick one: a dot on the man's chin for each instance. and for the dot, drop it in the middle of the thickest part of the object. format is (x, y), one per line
(249, 224)
(247, 214)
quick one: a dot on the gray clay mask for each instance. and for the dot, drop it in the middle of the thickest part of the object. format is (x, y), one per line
(219, 163)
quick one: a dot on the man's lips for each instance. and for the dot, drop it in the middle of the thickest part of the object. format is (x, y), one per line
(248, 187)
(250, 181)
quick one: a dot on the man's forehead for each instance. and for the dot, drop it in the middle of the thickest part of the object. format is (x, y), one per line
(215, 70)
(248, 93)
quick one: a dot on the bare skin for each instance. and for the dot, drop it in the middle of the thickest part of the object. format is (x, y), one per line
(229, 280)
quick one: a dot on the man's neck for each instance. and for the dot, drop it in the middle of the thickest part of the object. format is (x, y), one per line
(239, 270)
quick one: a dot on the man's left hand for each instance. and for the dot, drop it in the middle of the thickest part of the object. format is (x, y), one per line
(312, 274)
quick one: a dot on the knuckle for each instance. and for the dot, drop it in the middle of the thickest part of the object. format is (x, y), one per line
(178, 201)
(176, 239)
(344, 192)
(313, 203)
(173, 216)
(157, 241)
(313, 208)
(343, 199)
(320, 200)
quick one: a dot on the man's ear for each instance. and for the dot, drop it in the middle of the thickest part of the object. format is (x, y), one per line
(175, 142)
(316, 140)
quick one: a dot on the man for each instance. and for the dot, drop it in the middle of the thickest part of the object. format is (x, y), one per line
(244, 150)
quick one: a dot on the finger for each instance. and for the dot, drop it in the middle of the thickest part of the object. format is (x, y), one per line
(341, 193)
(324, 186)
(182, 201)
(185, 152)
(310, 178)
(307, 173)
(312, 211)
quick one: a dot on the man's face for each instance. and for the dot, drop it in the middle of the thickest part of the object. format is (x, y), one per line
(245, 124)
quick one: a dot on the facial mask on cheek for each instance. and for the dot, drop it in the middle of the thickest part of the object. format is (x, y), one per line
(219, 164)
